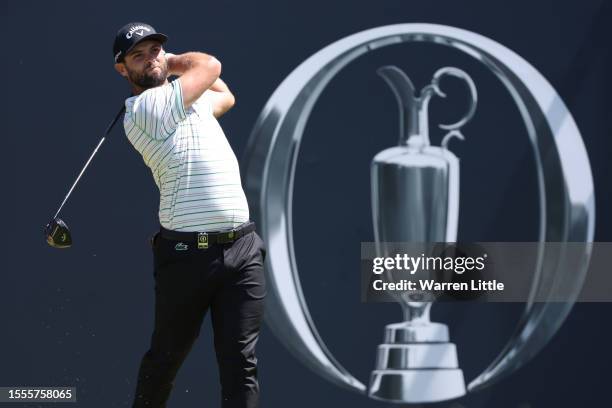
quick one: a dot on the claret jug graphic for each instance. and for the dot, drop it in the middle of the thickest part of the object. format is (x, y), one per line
(415, 198)
(415, 188)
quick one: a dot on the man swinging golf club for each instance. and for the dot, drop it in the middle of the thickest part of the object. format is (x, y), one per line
(207, 254)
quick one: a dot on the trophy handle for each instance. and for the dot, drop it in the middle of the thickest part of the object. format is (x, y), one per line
(434, 88)
(458, 73)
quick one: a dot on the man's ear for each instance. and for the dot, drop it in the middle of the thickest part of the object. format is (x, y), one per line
(120, 68)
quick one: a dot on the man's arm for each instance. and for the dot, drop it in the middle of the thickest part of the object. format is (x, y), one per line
(197, 72)
(221, 97)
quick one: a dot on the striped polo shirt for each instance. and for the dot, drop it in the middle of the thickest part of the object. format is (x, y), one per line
(192, 162)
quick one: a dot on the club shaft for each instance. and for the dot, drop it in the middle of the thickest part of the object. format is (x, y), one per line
(108, 129)
(79, 176)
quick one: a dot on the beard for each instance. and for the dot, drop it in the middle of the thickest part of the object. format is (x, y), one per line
(149, 79)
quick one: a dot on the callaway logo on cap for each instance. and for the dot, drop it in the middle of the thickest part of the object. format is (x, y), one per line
(134, 30)
(131, 34)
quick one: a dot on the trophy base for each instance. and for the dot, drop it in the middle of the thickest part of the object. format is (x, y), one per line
(417, 386)
(416, 364)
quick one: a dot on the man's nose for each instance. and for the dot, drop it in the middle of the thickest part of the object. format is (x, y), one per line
(152, 56)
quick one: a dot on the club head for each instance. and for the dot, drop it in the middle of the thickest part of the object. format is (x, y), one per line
(57, 234)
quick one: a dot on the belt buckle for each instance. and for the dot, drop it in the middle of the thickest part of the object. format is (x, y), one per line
(227, 237)
(202, 240)
(231, 235)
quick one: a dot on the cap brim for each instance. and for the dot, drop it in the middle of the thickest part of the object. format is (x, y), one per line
(157, 36)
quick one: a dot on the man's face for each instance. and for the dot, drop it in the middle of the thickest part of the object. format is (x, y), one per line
(145, 65)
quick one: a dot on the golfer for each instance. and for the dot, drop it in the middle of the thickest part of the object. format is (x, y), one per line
(207, 255)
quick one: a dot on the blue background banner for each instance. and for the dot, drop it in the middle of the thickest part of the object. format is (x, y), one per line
(83, 317)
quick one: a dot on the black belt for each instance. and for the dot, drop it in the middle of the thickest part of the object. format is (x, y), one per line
(204, 239)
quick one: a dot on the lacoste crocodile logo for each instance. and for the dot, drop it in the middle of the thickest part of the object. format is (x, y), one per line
(181, 246)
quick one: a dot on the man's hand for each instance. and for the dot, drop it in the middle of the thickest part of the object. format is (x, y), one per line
(197, 72)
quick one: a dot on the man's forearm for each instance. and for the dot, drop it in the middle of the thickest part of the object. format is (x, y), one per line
(179, 64)
(197, 72)
(222, 98)
(219, 86)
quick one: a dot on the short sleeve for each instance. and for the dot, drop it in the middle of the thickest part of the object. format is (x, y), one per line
(158, 111)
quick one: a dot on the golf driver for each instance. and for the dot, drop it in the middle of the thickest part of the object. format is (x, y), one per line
(56, 231)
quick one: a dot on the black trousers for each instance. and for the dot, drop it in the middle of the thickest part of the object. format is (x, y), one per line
(229, 280)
